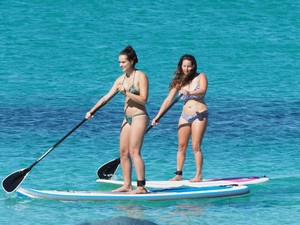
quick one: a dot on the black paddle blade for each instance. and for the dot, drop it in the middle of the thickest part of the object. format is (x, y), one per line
(12, 181)
(107, 170)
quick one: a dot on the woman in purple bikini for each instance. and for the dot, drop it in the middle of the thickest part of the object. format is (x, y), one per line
(194, 117)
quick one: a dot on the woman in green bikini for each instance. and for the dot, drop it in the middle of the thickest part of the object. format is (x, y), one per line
(133, 84)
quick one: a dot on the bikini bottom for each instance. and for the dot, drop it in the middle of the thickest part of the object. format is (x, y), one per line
(198, 115)
(128, 118)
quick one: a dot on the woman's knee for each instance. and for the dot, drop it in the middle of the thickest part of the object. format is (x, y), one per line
(124, 153)
(182, 147)
(196, 148)
(135, 153)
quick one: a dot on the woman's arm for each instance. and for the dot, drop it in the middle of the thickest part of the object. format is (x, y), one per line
(107, 96)
(166, 103)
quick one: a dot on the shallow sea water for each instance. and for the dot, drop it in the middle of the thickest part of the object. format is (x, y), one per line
(58, 58)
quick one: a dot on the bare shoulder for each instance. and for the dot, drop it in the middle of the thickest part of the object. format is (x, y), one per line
(141, 75)
(199, 77)
(120, 78)
(202, 75)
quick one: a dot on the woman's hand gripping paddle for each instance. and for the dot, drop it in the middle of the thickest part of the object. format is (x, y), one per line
(12, 181)
(107, 170)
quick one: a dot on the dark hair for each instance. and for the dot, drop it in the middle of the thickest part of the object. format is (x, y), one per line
(179, 79)
(130, 53)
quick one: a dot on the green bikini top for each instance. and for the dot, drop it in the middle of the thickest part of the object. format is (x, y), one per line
(133, 89)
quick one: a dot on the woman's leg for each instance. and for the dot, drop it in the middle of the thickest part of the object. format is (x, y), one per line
(198, 131)
(184, 132)
(125, 158)
(137, 133)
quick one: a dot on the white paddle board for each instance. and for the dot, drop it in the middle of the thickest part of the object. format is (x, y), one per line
(154, 195)
(187, 183)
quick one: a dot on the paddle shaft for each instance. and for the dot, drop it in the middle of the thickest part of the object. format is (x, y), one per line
(69, 133)
(12, 181)
(56, 144)
(169, 107)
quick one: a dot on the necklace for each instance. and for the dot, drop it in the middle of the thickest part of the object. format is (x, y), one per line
(129, 75)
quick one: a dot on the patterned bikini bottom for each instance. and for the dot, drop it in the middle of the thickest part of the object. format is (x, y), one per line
(198, 115)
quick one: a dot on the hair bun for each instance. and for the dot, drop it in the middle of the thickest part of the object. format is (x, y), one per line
(129, 48)
(130, 53)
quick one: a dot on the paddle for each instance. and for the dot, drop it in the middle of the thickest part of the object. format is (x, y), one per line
(12, 181)
(107, 170)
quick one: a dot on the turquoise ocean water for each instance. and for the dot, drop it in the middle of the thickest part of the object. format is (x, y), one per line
(57, 58)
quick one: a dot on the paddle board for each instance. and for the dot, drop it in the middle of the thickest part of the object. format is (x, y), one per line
(154, 195)
(187, 183)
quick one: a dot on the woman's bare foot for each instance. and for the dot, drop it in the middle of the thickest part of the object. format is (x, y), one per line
(139, 190)
(196, 179)
(124, 188)
(176, 178)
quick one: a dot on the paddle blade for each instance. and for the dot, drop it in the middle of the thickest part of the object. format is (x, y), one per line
(12, 181)
(107, 170)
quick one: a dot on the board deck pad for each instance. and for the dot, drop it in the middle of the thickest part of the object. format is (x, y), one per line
(187, 183)
(154, 195)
